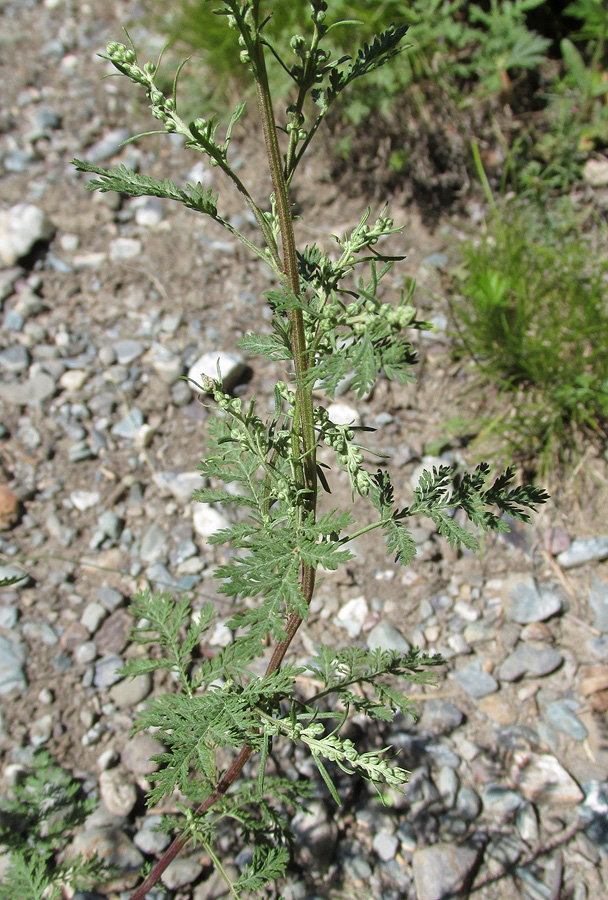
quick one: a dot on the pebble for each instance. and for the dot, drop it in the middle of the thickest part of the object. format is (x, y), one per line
(106, 671)
(529, 659)
(544, 779)
(498, 708)
(84, 500)
(21, 228)
(85, 653)
(14, 359)
(443, 871)
(527, 603)
(440, 717)
(131, 691)
(29, 392)
(526, 819)
(149, 840)
(352, 616)
(113, 635)
(475, 681)
(109, 145)
(598, 601)
(385, 845)
(110, 598)
(584, 551)
(180, 872)
(343, 414)
(468, 803)
(499, 801)
(447, 785)
(40, 631)
(73, 379)
(137, 753)
(595, 172)
(207, 520)
(180, 484)
(92, 616)
(148, 211)
(111, 844)
(153, 544)
(168, 366)
(127, 351)
(117, 792)
(385, 636)
(12, 660)
(565, 720)
(110, 525)
(129, 425)
(9, 508)
(232, 369)
(315, 835)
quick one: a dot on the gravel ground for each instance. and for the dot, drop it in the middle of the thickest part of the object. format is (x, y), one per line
(104, 305)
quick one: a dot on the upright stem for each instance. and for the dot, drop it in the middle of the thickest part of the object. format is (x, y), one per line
(305, 440)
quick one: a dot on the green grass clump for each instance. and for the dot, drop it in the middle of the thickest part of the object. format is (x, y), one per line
(532, 313)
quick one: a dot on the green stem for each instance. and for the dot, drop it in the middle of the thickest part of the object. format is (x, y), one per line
(291, 284)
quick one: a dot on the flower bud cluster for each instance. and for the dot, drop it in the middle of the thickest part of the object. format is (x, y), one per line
(338, 437)
(319, 8)
(125, 60)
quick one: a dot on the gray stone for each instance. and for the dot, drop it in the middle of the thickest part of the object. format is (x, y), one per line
(443, 871)
(565, 720)
(123, 249)
(526, 820)
(447, 785)
(385, 636)
(475, 681)
(584, 551)
(109, 145)
(167, 365)
(110, 598)
(21, 228)
(385, 845)
(185, 550)
(468, 803)
(117, 792)
(14, 359)
(529, 659)
(129, 425)
(110, 524)
(598, 601)
(12, 659)
(153, 544)
(106, 671)
(148, 211)
(527, 603)
(110, 844)
(131, 691)
(30, 392)
(137, 753)
(315, 836)
(40, 631)
(93, 616)
(352, 615)
(500, 801)
(207, 520)
(127, 351)
(232, 368)
(180, 484)
(440, 717)
(181, 872)
(149, 839)
(85, 653)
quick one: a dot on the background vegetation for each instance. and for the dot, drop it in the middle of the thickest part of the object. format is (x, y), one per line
(526, 80)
